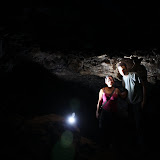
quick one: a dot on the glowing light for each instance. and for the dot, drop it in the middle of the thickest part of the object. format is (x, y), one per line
(71, 119)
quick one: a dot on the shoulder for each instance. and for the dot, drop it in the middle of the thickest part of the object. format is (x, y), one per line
(133, 74)
(136, 77)
(102, 90)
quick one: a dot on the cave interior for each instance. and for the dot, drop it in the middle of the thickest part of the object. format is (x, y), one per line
(53, 61)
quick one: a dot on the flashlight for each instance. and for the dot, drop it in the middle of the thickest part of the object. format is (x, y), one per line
(72, 119)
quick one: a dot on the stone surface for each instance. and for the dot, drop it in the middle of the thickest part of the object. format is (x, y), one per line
(75, 63)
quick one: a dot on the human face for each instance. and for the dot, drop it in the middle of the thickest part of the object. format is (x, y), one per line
(122, 70)
(109, 81)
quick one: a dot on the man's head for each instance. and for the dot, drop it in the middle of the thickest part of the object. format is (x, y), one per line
(122, 68)
(109, 80)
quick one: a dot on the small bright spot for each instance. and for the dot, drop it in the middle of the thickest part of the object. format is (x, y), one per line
(71, 120)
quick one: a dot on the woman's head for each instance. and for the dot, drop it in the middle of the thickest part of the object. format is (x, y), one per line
(109, 80)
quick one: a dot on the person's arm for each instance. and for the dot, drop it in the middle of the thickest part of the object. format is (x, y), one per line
(144, 90)
(99, 102)
(144, 95)
(122, 94)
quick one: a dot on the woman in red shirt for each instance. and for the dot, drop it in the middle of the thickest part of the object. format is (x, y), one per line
(107, 115)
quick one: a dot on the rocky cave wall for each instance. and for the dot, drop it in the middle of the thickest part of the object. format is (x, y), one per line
(76, 65)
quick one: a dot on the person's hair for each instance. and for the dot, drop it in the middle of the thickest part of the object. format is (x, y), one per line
(108, 76)
(120, 64)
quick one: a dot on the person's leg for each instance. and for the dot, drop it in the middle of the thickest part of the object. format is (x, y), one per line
(139, 124)
(130, 115)
(105, 123)
(131, 126)
(114, 128)
(101, 128)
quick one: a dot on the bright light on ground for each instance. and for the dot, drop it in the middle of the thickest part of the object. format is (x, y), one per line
(71, 119)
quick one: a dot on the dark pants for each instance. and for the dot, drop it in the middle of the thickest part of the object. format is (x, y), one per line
(106, 127)
(135, 116)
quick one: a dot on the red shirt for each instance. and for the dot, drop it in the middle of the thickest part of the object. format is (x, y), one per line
(111, 104)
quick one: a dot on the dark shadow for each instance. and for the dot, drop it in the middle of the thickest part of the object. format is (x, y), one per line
(31, 90)
(139, 68)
